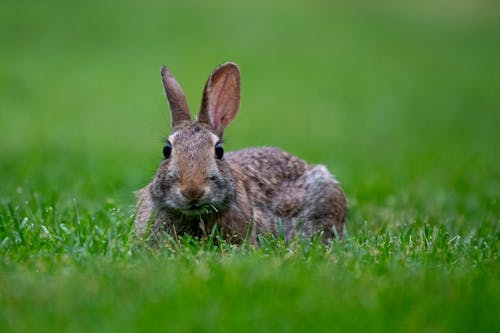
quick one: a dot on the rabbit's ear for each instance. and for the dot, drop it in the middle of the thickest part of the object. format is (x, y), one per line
(221, 97)
(176, 99)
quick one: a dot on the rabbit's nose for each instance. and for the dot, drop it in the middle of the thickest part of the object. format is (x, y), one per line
(193, 192)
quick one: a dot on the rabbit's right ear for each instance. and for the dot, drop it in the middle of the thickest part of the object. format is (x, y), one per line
(221, 98)
(177, 101)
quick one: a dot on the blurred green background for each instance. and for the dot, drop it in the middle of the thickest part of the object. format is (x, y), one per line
(400, 100)
(397, 100)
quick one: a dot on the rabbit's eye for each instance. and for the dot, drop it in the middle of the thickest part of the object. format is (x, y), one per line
(167, 150)
(219, 151)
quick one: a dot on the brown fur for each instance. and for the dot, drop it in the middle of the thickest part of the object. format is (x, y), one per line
(250, 190)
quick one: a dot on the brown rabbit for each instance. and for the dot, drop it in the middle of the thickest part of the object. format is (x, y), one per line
(245, 193)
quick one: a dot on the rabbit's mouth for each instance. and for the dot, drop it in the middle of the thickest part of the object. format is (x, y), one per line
(203, 209)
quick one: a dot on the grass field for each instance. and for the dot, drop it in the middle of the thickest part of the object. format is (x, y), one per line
(401, 102)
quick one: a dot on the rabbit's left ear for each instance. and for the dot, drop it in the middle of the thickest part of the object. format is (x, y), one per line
(179, 109)
(221, 98)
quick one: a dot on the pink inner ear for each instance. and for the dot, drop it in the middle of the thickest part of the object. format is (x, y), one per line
(224, 111)
(221, 97)
(225, 103)
(216, 123)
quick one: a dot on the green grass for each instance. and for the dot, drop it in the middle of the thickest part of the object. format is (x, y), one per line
(401, 102)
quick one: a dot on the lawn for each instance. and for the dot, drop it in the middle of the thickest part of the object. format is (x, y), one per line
(400, 102)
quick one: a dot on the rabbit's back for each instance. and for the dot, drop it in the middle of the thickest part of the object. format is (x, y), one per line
(267, 167)
(280, 186)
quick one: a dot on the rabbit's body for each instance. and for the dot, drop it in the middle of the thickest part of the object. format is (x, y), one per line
(245, 193)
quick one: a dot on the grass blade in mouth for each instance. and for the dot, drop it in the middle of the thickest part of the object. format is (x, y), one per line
(208, 208)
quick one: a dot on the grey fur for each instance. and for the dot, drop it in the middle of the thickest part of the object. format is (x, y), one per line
(247, 191)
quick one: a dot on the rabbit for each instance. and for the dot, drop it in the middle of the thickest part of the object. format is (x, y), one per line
(244, 193)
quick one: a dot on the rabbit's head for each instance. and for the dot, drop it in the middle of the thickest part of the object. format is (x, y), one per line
(194, 177)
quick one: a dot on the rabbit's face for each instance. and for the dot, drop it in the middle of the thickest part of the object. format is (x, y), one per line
(193, 178)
